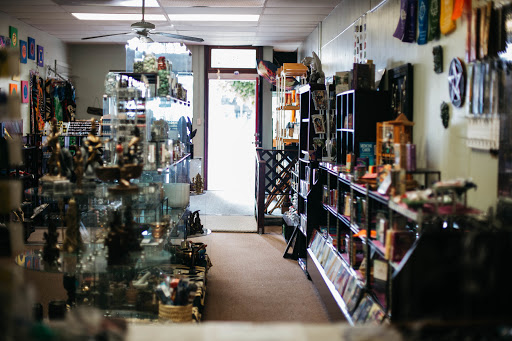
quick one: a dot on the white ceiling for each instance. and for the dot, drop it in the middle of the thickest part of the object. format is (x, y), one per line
(283, 24)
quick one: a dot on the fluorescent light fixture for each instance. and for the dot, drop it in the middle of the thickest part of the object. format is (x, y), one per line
(137, 3)
(120, 17)
(214, 17)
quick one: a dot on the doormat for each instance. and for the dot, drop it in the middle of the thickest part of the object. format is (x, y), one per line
(219, 223)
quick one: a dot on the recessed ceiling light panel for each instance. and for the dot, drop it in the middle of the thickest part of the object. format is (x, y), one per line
(214, 17)
(118, 16)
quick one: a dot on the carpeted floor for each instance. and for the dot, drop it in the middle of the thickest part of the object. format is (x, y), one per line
(251, 281)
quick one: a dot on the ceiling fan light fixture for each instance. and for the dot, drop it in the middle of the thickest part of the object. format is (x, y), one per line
(118, 16)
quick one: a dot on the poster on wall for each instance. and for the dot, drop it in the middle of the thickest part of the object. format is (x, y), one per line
(31, 48)
(2, 41)
(24, 92)
(13, 89)
(23, 52)
(40, 55)
(13, 33)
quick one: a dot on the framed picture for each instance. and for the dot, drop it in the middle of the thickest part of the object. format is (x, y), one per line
(13, 89)
(318, 123)
(24, 92)
(400, 85)
(31, 48)
(40, 55)
(23, 52)
(320, 99)
(13, 34)
(2, 41)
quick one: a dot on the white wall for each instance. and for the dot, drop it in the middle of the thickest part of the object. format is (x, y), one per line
(54, 49)
(437, 148)
(89, 66)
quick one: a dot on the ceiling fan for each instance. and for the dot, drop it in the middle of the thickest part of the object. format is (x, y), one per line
(145, 29)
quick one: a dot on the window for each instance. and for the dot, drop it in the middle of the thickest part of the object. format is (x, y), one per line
(233, 59)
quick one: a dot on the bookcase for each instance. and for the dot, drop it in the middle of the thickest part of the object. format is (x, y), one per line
(357, 113)
(307, 193)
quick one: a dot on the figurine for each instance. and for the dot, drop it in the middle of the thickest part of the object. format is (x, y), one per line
(445, 114)
(134, 150)
(54, 143)
(194, 224)
(73, 240)
(198, 184)
(51, 249)
(125, 168)
(93, 147)
(437, 51)
(79, 171)
(122, 239)
(315, 74)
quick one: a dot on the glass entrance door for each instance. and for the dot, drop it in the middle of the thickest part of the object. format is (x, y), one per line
(231, 148)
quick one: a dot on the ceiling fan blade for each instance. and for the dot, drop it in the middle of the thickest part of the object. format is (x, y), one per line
(179, 36)
(106, 35)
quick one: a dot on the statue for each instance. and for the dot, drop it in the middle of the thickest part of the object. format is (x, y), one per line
(315, 73)
(194, 224)
(122, 239)
(53, 142)
(93, 147)
(79, 171)
(73, 240)
(197, 181)
(51, 248)
(134, 150)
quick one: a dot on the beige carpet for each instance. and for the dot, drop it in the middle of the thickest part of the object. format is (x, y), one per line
(251, 281)
(218, 223)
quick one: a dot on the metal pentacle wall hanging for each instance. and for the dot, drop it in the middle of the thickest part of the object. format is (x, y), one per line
(457, 82)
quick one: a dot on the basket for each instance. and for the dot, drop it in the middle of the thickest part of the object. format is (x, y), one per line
(175, 313)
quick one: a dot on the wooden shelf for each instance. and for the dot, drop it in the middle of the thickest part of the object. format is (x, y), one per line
(288, 107)
(293, 70)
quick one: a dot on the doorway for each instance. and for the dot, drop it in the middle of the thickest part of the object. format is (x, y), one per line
(231, 142)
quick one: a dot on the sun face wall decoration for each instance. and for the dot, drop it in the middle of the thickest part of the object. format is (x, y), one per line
(23, 52)
(31, 48)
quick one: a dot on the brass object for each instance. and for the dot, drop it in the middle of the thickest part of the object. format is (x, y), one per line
(73, 240)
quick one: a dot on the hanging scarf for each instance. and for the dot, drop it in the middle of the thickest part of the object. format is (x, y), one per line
(422, 22)
(406, 28)
(433, 20)
(446, 23)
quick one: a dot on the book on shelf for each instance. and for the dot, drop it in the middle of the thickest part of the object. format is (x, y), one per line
(367, 150)
(380, 275)
(350, 288)
(375, 315)
(363, 309)
(339, 277)
(335, 269)
(353, 299)
(328, 258)
(398, 242)
(344, 281)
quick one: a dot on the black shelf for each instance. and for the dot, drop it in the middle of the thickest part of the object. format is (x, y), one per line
(333, 301)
